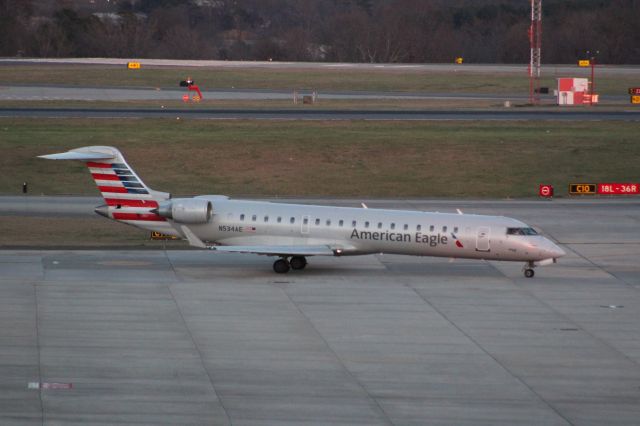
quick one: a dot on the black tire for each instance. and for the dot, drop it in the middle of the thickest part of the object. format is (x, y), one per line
(281, 266)
(529, 273)
(298, 262)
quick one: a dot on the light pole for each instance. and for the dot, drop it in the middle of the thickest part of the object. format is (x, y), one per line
(592, 60)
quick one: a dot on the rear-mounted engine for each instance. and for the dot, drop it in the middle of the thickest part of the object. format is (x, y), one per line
(186, 210)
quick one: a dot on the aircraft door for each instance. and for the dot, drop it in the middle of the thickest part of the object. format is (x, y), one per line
(483, 239)
(304, 225)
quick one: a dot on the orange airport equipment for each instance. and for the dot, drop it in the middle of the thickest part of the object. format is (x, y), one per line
(192, 87)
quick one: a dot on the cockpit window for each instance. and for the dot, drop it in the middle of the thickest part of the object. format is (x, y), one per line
(521, 231)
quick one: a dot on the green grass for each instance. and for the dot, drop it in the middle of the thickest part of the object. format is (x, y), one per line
(59, 232)
(311, 158)
(289, 79)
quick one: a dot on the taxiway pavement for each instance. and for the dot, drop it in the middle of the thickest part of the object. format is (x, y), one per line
(190, 337)
(554, 69)
(115, 94)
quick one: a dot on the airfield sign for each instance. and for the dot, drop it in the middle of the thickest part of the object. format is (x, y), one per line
(618, 188)
(582, 188)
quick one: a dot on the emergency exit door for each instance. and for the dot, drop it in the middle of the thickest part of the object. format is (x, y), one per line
(483, 239)
(304, 225)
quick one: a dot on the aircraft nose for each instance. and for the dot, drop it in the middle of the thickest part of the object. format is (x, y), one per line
(554, 250)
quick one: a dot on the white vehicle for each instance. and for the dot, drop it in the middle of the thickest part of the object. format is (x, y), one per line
(293, 232)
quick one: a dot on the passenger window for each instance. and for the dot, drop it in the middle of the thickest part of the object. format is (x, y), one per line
(341, 223)
(305, 220)
(406, 227)
(366, 224)
(354, 223)
(328, 222)
(379, 225)
(279, 219)
(317, 221)
(292, 220)
(444, 229)
(393, 226)
(432, 228)
(419, 228)
(254, 218)
(242, 218)
(266, 218)
(455, 230)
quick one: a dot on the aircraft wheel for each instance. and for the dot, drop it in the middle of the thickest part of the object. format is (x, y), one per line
(281, 266)
(298, 262)
(529, 273)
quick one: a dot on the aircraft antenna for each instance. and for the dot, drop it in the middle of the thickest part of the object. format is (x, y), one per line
(535, 42)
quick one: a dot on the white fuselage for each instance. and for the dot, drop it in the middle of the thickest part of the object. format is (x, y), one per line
(352, 231)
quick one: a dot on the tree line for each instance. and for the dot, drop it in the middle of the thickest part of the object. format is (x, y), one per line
(421, 31)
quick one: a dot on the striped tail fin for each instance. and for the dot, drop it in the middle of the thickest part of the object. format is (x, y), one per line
(127, 197)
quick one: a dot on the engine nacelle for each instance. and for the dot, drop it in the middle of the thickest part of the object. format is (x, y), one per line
(186, 210)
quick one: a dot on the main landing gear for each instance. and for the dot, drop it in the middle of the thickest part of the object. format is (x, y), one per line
(282, 265)
(528, 270)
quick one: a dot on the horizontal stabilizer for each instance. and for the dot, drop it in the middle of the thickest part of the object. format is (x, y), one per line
(278, 250)
(75, 155)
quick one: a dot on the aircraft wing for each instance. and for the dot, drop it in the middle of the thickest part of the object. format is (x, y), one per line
(278, 250)
(301, 250)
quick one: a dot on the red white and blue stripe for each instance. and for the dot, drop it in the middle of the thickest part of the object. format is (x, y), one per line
(128, 198)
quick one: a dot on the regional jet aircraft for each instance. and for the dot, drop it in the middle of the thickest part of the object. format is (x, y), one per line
(293, 232)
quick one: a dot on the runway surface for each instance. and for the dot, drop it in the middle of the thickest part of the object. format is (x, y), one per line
(475, 68)
(323, 114)
(191, 337)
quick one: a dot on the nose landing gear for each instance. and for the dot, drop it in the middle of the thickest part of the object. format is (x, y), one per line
(283, 265)
(528, 270)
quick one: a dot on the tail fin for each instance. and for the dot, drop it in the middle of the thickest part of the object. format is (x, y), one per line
(127, 197)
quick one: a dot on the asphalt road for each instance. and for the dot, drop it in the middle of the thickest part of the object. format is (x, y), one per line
(319, 114)
(113, 94)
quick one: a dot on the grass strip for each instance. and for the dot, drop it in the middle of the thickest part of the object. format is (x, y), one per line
(325, 158)
(298, 78)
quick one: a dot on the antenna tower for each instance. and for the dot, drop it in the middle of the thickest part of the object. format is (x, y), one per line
(535, 41)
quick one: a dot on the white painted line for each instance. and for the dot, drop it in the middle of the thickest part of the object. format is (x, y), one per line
(49, 386)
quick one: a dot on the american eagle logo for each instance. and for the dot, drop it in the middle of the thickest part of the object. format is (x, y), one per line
(455, 238)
